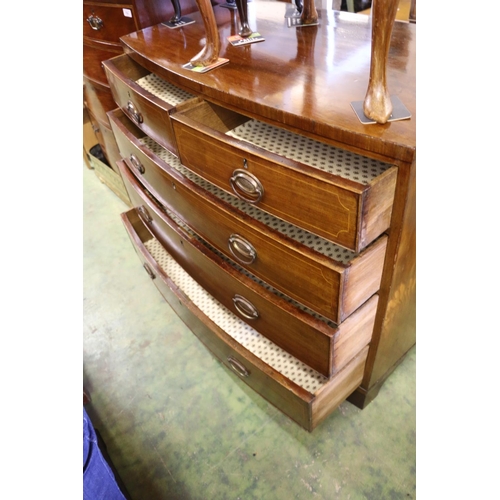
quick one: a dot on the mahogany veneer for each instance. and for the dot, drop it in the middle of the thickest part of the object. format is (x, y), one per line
(302, 81)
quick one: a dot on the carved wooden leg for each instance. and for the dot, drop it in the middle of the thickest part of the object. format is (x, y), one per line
(309, 13)
(210, 53)
(242, 6)
(377, 104)
(177, 12)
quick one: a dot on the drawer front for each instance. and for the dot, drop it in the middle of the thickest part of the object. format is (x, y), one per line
(108, 23)
(305, 337)
(98, 99)
(305, 407)
(347, 213)
(93, 56)
(313, 279)
(150, 113)
(325, 347)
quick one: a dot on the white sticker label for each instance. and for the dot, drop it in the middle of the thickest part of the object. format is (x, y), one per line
(127, 12)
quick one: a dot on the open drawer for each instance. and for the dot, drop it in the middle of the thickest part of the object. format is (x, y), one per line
(336, 194)
(295, 388)
(145, 98)
(313, 339)
(325, 277)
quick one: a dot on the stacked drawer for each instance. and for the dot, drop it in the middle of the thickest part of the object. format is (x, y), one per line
(103, 25)
(268, 244)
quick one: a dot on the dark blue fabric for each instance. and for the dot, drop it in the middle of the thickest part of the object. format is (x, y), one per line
(98, 479)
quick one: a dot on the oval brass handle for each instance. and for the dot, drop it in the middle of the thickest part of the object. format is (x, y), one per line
(137, 164)
(95, 22)
(133, 111)
(144, 214)
(242, 250)
(245, 307)
(238, 367)
(246, 186)
(149, 271)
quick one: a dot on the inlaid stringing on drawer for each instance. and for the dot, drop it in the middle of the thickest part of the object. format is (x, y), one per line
(267, 351)
(304, 237)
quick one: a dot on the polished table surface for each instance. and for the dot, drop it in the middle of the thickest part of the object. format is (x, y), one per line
(302, 78)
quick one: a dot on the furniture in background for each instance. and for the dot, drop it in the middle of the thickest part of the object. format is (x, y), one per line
(104, 22)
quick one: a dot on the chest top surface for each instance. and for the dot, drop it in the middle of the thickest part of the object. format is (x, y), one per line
(302, 78)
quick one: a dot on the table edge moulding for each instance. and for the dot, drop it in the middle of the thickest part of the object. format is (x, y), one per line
(304, 80)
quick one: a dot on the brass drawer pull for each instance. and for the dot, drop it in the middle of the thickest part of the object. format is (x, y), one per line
(144, 214)
(246, 186)
(137, 164)
(133, 111)
(245, 307)
(149, 271)
(238, 367)
(242, 250)
(95, 22)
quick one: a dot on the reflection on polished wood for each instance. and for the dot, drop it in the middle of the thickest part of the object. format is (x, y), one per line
(302, 79)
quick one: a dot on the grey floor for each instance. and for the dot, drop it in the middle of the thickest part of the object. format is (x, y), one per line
(178, 425)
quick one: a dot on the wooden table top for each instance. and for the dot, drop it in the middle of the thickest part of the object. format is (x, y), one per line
(302, 78)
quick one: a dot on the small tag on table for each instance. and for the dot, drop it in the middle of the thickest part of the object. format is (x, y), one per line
(399, 111)
(204, 69)
(239, 40)
(183, 21)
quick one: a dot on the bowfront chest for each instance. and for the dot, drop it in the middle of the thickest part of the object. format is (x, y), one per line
(280, 228)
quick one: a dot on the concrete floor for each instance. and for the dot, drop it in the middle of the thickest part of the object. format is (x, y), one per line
(179, 425)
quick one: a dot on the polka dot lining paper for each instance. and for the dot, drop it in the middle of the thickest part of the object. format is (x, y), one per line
(260, 346)
(306, 238)
(310, 152)
(163, 90)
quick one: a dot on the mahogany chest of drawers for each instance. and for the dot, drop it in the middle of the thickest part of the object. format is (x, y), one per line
(104, 22)
(280, 228)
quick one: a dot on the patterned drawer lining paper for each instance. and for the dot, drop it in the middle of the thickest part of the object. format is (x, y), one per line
(310, 152)
(310, 240)
(257, 344)
(163, 90)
